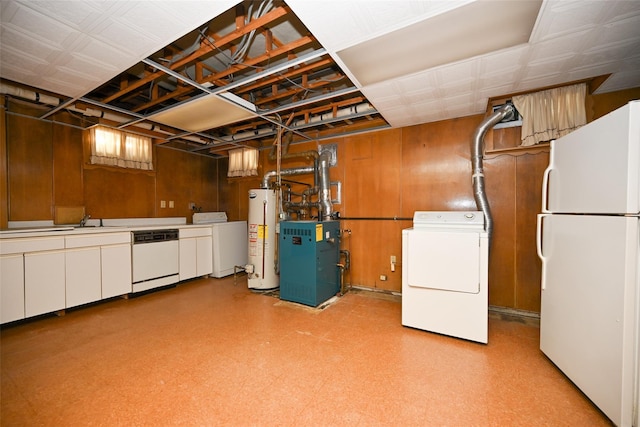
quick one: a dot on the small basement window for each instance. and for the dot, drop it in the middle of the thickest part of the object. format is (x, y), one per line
(243, 162)
(112, 147)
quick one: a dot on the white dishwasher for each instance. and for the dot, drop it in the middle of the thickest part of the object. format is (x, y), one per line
(445, 259)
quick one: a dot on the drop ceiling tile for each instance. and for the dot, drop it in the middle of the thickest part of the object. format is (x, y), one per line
(107, 60)
(17, 40)
(16, 65)
(560, 47)
(625, 28)
(461, 72)
(61, 82)
(43, 28)
(419, 46)
(558, 18)
(204, 113)
(504, 59)
(623, 79)
(72, 74)
(609, 54)
(76, 14)
(186, 10)
(537, 81)
(119, 34)
(346, 23)
(552, 65)
(497, 78)
(387, 90)
(423, 81)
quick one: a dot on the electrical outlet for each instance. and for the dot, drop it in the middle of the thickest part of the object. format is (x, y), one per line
(171, 204)
(383, 277)
(163, 204)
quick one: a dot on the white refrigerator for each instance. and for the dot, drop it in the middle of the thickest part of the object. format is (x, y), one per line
(588, 239)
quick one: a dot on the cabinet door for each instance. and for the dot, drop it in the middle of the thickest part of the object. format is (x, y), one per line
(116, 270)
(204, 264)
(188, 260)
(43, 282)
(11, 288)
(82, 275)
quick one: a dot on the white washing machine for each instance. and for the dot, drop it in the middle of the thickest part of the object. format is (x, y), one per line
(445, 260)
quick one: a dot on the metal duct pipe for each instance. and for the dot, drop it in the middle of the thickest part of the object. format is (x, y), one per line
(362, 108)
(293, 171)
(477, 150)
(29, 95)
(324, 195)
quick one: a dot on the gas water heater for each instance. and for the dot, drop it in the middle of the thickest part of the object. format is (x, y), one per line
(261, 267)
(309, 257)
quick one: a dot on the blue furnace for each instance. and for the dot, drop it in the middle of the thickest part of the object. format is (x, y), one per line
(309, 257)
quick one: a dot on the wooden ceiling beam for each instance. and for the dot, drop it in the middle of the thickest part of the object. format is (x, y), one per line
(296, 89)
(204, 49)
(301, 42)
(289, 74)
(216, 78)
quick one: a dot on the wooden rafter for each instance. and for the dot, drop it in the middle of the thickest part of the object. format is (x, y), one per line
(204, 49)
(217, 78)
(294, 91)
(288, 75)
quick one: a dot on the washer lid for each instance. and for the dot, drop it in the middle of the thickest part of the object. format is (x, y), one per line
(459, 220)
(209, 217)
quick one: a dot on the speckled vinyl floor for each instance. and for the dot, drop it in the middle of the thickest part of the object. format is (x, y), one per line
(211, 353)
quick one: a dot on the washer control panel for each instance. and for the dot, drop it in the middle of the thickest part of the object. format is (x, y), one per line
(449, 219)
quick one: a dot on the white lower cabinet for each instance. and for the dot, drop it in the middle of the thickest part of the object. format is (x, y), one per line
(44, 282)
(196, 251)
(188, 261)
(82, 274)
(11, 287)
(204, 256)
(116, 270)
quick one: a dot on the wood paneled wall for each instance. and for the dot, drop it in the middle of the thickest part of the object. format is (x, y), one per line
(30, 168)
(48, 166)
(4, 173)
(388, 175)
(385, 175)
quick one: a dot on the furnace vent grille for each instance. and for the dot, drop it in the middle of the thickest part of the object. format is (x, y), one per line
(296, 232)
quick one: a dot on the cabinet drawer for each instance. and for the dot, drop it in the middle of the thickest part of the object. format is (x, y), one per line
(17, 246)
(185, 233)
(101, 239)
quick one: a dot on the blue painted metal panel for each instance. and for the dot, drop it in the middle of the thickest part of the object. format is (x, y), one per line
(309, 252)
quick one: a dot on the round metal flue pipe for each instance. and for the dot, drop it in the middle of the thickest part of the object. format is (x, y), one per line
(477, 150)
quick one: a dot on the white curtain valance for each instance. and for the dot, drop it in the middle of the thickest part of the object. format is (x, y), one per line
(243, 162)
(552, 113)
(112, 147)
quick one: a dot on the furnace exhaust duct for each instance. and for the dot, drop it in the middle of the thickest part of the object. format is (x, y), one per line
(477, 150)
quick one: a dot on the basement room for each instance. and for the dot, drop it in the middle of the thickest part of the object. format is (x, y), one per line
(320, 213)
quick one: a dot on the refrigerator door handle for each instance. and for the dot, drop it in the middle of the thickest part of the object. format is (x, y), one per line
(543, 281)
(545, 178)
(545, 188)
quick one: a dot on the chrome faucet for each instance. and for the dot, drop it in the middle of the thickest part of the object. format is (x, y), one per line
(84, 220)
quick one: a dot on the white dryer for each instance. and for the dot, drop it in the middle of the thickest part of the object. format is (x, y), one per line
(445, 260)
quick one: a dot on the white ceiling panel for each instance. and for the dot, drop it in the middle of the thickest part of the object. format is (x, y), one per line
(106, 38)
(420, 46)
(629, 77)
(72, 47)
(338, 24)
(570, 41)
